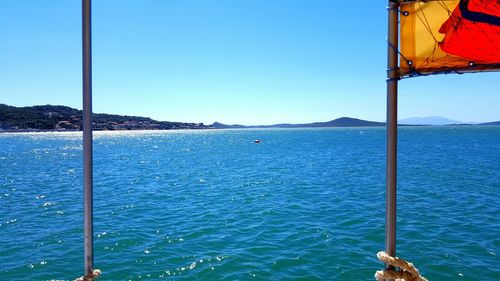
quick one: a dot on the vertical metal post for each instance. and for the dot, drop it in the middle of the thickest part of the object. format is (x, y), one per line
(392, 127)
(87, 137)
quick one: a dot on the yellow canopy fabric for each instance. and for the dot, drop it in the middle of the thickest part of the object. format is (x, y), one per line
(449, 35)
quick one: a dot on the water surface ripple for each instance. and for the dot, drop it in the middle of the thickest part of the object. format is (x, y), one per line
(304, 204)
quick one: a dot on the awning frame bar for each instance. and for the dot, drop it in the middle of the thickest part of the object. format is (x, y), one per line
(392, 127)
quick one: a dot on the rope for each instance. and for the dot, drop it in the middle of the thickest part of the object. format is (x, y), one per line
(407, 271)
(90, 277)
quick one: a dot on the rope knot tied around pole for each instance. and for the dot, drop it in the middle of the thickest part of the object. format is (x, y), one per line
(90, 277)
(407, 271)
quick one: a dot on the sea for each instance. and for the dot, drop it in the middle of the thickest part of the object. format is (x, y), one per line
(303, 204)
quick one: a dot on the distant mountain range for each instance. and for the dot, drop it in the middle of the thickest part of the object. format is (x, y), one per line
(353, 122)
(63, 118)
(340, 122)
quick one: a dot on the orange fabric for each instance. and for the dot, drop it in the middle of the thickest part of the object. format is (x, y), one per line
(447, 35)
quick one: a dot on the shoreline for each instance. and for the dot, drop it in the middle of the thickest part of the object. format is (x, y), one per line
(4, 131)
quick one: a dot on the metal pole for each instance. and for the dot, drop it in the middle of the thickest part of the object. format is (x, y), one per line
(392, 128)
(87, 137)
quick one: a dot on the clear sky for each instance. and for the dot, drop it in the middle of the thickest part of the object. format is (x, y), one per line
(232, 61)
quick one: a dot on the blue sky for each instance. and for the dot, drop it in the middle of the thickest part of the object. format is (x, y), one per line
(232, 61)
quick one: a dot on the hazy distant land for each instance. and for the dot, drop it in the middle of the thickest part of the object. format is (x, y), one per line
(63, 118)
(430, 120)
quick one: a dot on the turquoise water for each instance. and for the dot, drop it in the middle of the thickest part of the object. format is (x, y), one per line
(305, 204)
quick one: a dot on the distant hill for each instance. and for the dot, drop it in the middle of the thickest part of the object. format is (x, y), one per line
(340, 122)
(430, 120)
(497, 123)
(348, 122)
(218, 125)
(63, 118)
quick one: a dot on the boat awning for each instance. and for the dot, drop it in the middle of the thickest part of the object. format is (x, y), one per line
(449, 36)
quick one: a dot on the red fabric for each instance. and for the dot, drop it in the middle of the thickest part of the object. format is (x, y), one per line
(472, 31)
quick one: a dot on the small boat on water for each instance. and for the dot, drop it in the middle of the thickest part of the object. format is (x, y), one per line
(256, 141)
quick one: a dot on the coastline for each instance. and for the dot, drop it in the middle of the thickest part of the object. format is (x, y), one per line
(247, 128)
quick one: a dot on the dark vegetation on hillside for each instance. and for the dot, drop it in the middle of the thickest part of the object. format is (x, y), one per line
(62, 118)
